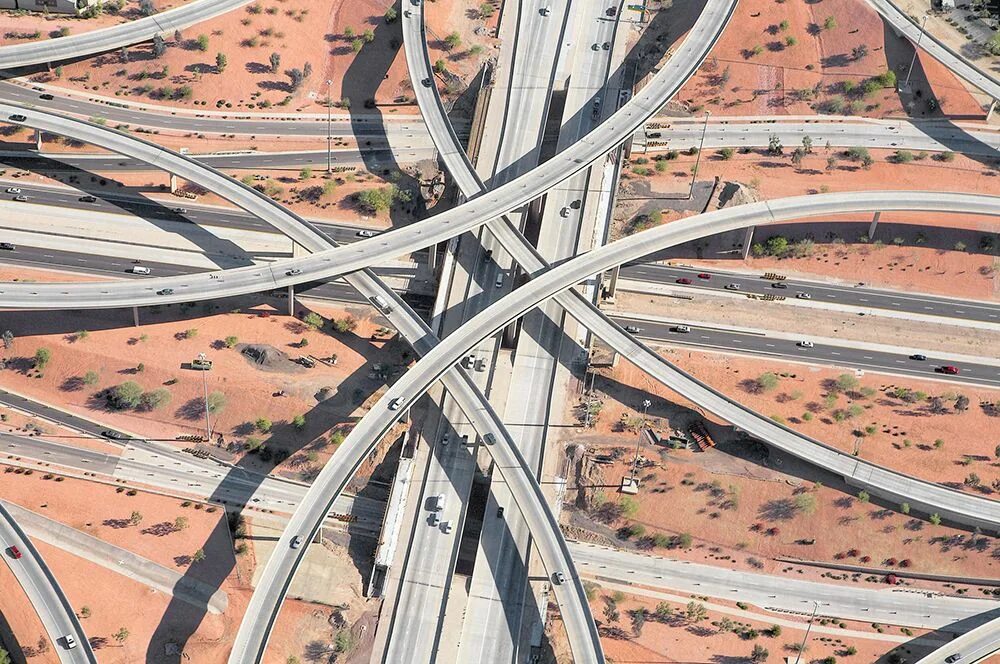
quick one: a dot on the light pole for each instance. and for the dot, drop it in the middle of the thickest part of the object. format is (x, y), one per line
(329, 126)
(646, 403)
(697, 162)
(906, 83)
(805, 639)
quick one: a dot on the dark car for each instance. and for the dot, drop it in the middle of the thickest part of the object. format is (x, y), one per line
(779, 284)
(704, 275)
(17, 117)
(953, 658)
(7, 246)
(46, 96)
(165, 291)
(612, 11)
(113, 435)
(499, 512)
(683, 280)
(293, 272)
(426, 82)
(88, 199)
(949, 369)
(918, 357)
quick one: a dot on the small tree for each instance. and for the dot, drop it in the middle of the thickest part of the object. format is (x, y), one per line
(299, 422)
(368, 36)
(125, 396)
(181, 523)
(220, 62)
(84, 613)
(155, 399)
(231, 341)
(759, 653)
(121, 636)
(695, 612)
(202, 42)
(774, 146)
(767, 381)
(391, 15)
(42, 358)
(275, 61)
(198, 556)
(859, 52)
(313, 320)
(830, 23)
(136, 518)
(453, 41)
(863, 496)
(806, 503)
(216, 402)
(90, 378)
(263, 424)
(904, 508)
(159, 46)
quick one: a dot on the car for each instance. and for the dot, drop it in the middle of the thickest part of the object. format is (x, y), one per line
(803, 296)
(632, 329)
(704, 275)
(544, 11)
(654, 134)
(139, 269)
(480, 364)
(953, 658)
(684, 280)
(558, 578)
(70, 641)
(179, 210)
(20, 199)
(919, 357)
(683, 329)
(445, 438)
(487, 255)
(733, 286)
(564, 211)
(366, 233)
(296, 542)
(13, 190)
(612, 11)
(396, 403)
(88, 199)
(110, 434)
(606, 46)
(15, 552)
(950, 369)
(415, 3)
(426, 82)
(294, 271)
(165, 291)
(595, 46)
(779, 284)
(438, 502)
(435, 518)
(17, 117)
(499, 512)
(46, 96)
(7, 246)
(805, 344)
(446, 526)
(499, 282)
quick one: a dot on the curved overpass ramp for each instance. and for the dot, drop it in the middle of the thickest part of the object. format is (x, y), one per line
(109, 39)
(937, 49)
(40, 585)
(974, 646)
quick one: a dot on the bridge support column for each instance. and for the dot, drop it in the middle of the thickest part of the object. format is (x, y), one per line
(609, 292)
(291, 300)
(173, 183)
(873, 225)
(993, 107)
(747, 241)
(135, 316)
(432, 257)
(38, 140)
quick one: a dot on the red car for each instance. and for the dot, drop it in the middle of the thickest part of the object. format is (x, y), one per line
(15, 552)
(704, 275)
(949, 369)
(684, 280)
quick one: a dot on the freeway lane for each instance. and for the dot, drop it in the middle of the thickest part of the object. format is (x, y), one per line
(907, 608)
(854, 296)
(821, 353)
(44, 593)
(973, 646)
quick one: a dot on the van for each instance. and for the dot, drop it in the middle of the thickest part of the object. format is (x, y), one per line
(139, 269)
(499, 282)
(439, 502)
(396, 403)
(381, 304)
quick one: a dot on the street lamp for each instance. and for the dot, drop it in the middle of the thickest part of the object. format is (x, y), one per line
(646, 403)
(805, 639)
(329, 126)
(697, 162)
(204, 383)
(906, 83)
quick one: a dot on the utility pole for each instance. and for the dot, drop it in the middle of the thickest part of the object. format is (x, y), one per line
(697, 162)
(906, 83)
(646, 403)
(805, 639)
(329, 126)
(204, 383)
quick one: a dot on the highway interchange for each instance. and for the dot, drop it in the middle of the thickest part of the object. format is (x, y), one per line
(438, 360)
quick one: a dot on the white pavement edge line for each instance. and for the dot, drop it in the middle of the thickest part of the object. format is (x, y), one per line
(53, 588)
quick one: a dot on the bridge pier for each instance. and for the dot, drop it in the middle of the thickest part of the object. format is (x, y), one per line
(873, 225)
(173, 183)
(993, 107)
(291, 300)
(38, 140)
(135, 316)
(747, 241)
(612, 288)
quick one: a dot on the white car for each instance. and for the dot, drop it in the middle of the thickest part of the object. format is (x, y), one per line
(445, 438)
(366, 233)
(13, 190)
(296, 542)
(396, 403)
(682, 328)
(70, 641)
(805, 344)
(446, 526)
(733, 286)
(558, 578)
(803, 296)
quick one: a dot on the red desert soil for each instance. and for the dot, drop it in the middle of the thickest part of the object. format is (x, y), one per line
(322, 35)
(782, 79)
(163, 350)
(20, 616)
